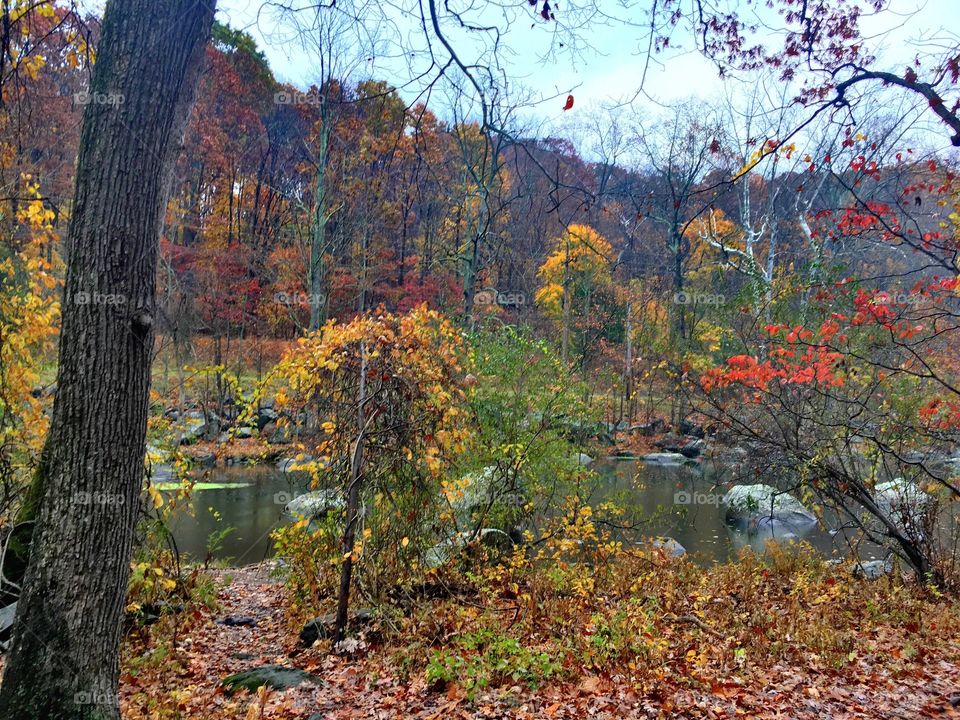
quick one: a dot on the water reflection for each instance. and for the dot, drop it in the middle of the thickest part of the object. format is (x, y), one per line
(253, 510)
(684, 503)
(672, 500)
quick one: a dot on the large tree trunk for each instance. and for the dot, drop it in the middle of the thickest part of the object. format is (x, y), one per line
(63, 659)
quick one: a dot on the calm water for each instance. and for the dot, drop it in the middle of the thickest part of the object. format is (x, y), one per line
(255, 508)
(682, 502)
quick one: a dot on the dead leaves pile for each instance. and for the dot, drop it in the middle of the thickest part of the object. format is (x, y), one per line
(898, 671)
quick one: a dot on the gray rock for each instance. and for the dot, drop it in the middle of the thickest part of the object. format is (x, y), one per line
(899, 493)
(264, 417)
(150, 613)
(445, 551)
(155, 452)
(278, 435)
(234, 621)
(758, 537)
(729, 454)
(583, 459)
(476, 492)
(664, 458)
(160, 472)
(277, 677)
(691, 428)
(667, 545)
(289, 464)
(670, 443)
(7, 616)
(757, 505)
(42, 391)
(244, 432)
(873, 569)
(315, 504)
(694, 448)
(205, 459)
(324, 626)
(196, 425)
(903, 502)
(648, 429)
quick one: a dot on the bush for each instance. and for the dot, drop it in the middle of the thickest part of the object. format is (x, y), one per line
(486, 658)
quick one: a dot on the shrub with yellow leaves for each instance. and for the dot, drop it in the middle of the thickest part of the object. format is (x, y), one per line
(381, 397)
(29, 321)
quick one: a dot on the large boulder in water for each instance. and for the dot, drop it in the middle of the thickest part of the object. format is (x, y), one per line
(293, 464)
(695, 448)
(315, 504)
(758, 537)
(753, 506)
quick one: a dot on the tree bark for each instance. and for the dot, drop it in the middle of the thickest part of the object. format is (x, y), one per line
(318, 230)
(63, 661)
(353, 505)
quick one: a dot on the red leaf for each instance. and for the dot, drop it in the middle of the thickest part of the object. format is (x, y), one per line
(569, 103)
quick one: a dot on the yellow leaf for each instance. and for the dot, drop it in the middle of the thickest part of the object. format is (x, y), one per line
(156, 496)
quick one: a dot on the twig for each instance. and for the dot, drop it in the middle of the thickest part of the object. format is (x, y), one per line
(693, 619)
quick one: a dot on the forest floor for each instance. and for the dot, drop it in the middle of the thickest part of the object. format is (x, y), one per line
(908, 673)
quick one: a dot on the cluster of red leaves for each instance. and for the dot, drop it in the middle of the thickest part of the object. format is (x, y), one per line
(940, 414)
(872, 216)
(799, 355)
(797, 359)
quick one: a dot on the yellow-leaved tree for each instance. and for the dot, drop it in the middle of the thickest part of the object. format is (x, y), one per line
(385, 395)
(579, 263)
